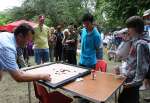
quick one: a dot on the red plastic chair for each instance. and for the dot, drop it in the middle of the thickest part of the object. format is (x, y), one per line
(52, 97)
(101, 65)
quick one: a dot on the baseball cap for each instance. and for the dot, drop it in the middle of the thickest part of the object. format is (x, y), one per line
(41, 17)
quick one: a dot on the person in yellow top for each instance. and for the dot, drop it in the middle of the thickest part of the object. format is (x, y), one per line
(41, 48)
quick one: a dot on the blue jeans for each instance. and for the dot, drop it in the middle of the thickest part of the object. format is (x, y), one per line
(41, 55)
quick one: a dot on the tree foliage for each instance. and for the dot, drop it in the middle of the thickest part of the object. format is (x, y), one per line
(4, 18)
(113, 13)
(108, 13)
(56, 11)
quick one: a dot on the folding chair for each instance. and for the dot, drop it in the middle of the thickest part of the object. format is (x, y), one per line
(101, 65)
(52, 97)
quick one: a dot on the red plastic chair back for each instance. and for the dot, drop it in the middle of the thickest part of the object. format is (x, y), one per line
(52, 97)
(101, 65)
(57, 97)
(41, 93)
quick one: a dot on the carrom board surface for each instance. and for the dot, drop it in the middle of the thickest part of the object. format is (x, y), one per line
(60, 73)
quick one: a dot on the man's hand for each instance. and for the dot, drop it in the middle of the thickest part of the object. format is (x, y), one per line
(46, 77)
(127, 85)
(70, 41)
(22, 76)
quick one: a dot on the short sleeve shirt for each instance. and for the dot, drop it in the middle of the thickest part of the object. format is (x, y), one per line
(8, 52)
(41, 37)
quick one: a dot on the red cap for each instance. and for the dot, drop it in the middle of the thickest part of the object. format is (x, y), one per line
(41, 17)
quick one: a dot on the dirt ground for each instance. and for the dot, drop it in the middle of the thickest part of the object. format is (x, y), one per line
(13, 92)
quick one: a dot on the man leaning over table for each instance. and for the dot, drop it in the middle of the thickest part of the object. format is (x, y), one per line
(8, 54)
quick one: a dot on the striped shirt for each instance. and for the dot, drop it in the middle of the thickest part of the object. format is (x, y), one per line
(8, 52)
(137, 64)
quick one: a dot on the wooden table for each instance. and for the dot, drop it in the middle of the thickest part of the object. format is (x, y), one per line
(98, 90)
(46, 68)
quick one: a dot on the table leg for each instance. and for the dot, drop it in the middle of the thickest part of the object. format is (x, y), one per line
(29, 92)
(116, 97)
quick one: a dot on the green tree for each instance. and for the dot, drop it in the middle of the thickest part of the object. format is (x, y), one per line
(4, 18)
(113, 13)
(56, 11)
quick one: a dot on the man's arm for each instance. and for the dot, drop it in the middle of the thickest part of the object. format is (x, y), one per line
(70, 41)
(97, 41)
(142, 67)
(22, 76)
(9, 64)
(73, 40)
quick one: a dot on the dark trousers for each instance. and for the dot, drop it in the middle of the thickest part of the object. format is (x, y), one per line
(148, 74)
(90, 67)
(129, 95)
(71, 57)
(58, 53)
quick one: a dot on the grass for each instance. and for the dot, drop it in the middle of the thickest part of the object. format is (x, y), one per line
(13, 92)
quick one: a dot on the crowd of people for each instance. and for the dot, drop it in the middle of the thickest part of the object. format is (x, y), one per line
(58, 44)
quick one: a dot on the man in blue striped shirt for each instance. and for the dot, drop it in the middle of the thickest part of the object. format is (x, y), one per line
(8, 53)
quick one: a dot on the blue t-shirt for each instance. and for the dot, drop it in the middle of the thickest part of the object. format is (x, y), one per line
(90, 41)
(8, 52)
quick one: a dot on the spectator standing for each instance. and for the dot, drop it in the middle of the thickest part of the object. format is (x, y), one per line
(41, 48)
(52, 43)
(90, 42)
(58, 47)
(70, 45)
(65, 45)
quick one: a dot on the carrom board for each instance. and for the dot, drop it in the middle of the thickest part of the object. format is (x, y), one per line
(60, 73)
